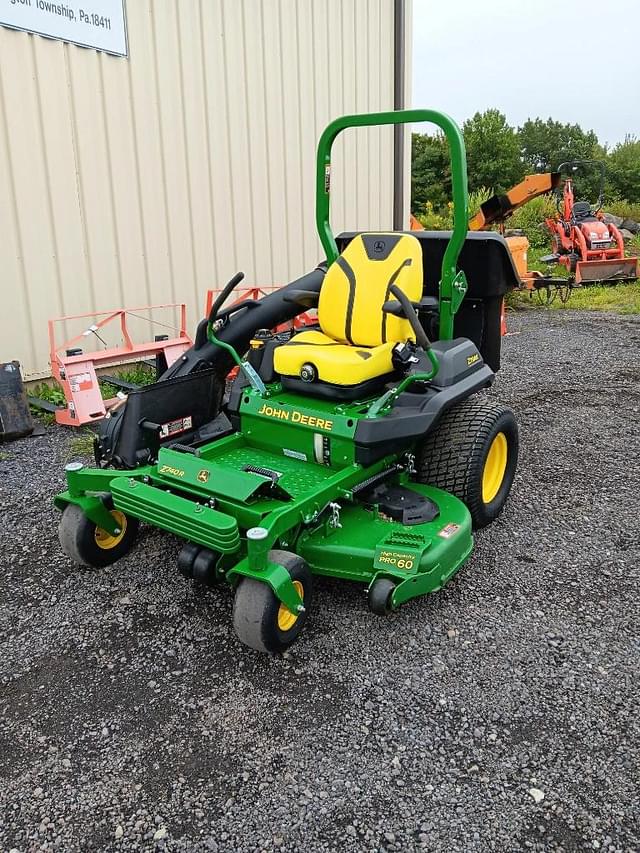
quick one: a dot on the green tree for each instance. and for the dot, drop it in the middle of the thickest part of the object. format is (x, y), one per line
(493, 152)
(546, 144)
(430, 171)
(623, 169)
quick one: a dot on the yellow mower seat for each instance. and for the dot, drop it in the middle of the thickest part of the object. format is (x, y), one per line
(338, 364)
(357, 337)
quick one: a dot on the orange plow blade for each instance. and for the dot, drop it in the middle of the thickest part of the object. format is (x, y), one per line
(604, 271)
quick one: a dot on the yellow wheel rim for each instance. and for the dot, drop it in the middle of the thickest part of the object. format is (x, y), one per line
(287, 619)
(104, 539)
(494, 467)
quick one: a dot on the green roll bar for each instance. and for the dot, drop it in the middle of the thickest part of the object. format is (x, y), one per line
(453, 283)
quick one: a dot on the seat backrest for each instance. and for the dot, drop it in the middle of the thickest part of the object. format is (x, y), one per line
(582, 211)
(357, 284)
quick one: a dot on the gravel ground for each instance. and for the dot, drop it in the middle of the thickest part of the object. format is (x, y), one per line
(499, 714)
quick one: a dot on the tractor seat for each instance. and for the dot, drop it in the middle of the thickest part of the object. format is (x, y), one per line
(582, 211)
(351, 355)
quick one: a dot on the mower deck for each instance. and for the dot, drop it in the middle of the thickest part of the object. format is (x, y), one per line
(420, 557)
(291, 472)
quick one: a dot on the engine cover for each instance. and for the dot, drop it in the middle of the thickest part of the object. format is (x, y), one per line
(596, 234)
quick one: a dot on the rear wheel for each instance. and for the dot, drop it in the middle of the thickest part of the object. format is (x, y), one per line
(260, 620)
(473, 454)
(90, 545)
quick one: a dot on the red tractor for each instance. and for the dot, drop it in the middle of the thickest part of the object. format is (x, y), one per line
(590, 248)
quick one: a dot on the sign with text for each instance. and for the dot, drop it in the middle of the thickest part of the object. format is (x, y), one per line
(98, 24)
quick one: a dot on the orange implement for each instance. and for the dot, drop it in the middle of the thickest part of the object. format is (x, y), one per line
(499, 207)
(611, 269)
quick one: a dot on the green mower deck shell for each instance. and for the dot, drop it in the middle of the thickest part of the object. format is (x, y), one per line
(419, 558)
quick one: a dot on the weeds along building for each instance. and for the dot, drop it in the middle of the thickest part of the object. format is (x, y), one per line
(151, 149)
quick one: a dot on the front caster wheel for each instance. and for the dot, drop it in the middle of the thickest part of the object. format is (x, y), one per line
(198, 564)
(187, 555)
(90, 545)
(473, 454)
(380, 593)
(204, 567)
(260, 620)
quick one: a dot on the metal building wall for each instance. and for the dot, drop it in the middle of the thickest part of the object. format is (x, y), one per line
(150, 179)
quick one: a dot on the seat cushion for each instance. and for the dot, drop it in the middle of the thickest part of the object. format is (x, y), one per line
(335, 363)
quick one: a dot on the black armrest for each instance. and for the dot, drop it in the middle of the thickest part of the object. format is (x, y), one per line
(427, 303)
(305, 298)
(393, 307)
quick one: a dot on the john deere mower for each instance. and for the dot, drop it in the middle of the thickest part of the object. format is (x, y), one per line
(357, 449)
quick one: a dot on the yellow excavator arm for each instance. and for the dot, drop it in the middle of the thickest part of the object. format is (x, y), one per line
(499, 207)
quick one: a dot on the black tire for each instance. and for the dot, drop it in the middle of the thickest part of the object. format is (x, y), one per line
(204, 567)
(256, 609)
(187, 555)
(379, 597)
(454, 457)
(86, 543)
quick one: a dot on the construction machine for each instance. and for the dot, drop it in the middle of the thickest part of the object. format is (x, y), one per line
(496, 210)
(591, 249)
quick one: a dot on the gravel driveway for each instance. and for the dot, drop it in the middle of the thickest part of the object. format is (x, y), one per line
(501, 713)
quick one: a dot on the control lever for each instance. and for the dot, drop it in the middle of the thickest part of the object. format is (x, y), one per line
(229, 287)
(410, 314)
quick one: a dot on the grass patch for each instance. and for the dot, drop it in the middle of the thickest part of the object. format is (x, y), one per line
(137, 374)
(619, 298)
(50, 393)
(82, 444)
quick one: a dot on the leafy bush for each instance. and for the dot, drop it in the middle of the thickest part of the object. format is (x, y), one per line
(433, 221)
(477, 198)
(493, 151)
(50, 393)
(625, 209)
(498, 156)
(442, 219)
(623, 169)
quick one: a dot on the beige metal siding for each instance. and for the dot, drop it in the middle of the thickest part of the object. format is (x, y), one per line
(150, 179)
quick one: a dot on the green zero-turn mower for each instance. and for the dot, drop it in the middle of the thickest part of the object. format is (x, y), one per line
(358, 449)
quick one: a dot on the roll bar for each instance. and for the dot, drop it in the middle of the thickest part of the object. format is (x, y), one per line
(572, 166)
(453, 283)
